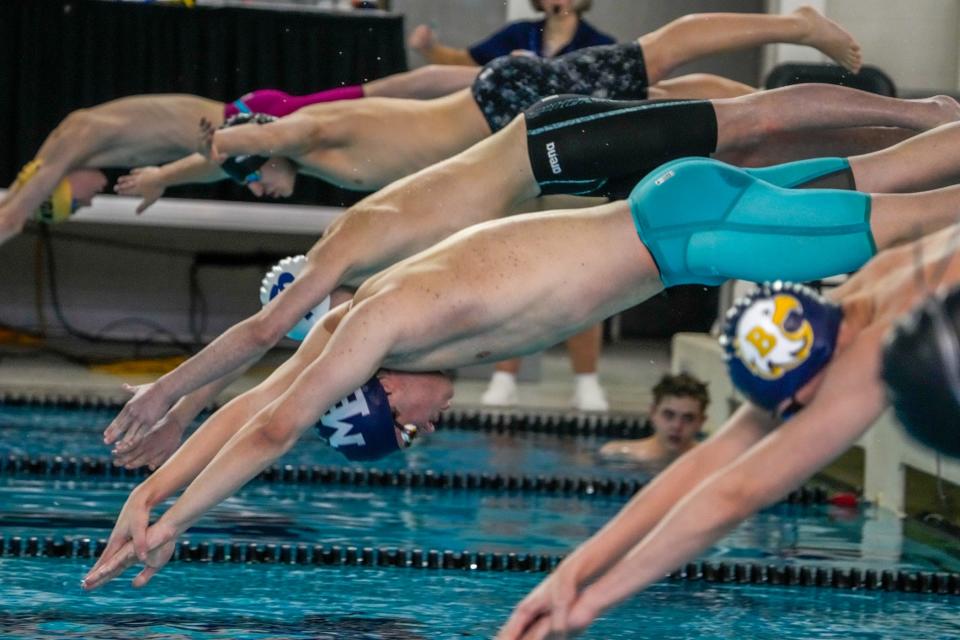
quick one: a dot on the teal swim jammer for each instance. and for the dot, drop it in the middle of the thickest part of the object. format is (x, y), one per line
(706, 222)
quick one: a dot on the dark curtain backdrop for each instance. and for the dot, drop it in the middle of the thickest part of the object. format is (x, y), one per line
(60, 55)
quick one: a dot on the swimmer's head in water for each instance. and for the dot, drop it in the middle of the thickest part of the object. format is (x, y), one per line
(386, 414)
(245, 169)
(777, 339)
(73, 192)
(921, 369)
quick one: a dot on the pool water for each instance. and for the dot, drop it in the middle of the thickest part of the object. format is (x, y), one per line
(77, 432)
(40, 597)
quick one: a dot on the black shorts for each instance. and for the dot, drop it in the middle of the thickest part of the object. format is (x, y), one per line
(510, 84)
(586, 146)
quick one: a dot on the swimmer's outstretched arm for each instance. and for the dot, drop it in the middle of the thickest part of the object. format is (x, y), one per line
(592, 558)
(850, 398)
(350, 357)
(159, 441)
(241, 345)
(151, 182)
(291, 136)
(204, 444)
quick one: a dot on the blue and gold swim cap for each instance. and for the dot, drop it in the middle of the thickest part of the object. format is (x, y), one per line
(778, 338)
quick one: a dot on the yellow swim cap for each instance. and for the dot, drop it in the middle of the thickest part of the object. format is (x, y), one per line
(59, 206)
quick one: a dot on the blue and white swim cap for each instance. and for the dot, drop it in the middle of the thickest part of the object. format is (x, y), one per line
(361, 426)
(282, 275)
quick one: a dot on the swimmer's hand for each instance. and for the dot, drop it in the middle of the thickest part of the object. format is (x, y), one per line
(545, 612)
(145, 182)
(138, 417)
(422, 39)
(206, 142)
(158, 546)
(155, 446)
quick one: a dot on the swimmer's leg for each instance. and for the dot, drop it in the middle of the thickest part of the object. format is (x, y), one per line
(792, 146)
(891, 161)
(698, 35)
(747, 120)
(698, 86)
(430, 81)
(925, 161)
(897, 218)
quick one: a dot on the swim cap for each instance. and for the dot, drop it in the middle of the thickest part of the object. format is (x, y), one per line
(921, 368)
(281, 276)
(778, 338)
(59, 206)
(361, 426)
(245, 169)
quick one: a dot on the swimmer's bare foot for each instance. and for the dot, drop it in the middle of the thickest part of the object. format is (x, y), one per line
(943, 110)
(830, 38)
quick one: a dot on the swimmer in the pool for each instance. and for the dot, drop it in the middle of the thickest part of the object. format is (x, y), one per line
(366, 375)
(676, 416)
(367, 145)
(488, 180)
(151, 129)
(831, 392)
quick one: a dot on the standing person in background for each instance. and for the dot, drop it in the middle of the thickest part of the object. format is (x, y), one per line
(562, 30)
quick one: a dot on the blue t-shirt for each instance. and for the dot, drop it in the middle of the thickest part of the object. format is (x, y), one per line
(529, 37)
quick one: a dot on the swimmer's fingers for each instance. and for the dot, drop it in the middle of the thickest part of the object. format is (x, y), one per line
(530, 612)
(134, 435)
(144, 576)
(107, 571)
(114, 544)
(139, 521)
(148, 201)
(132, 458)
(156, 445)
(155, 559)
(119, 425)
(205, 137)
(127, 185)
(207, 145)
(541, 630)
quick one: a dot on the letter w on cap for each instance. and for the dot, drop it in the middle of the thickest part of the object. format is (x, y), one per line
(336, 418)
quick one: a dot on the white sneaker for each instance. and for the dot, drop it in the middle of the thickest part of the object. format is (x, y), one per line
(589, 395)
(502, 391)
